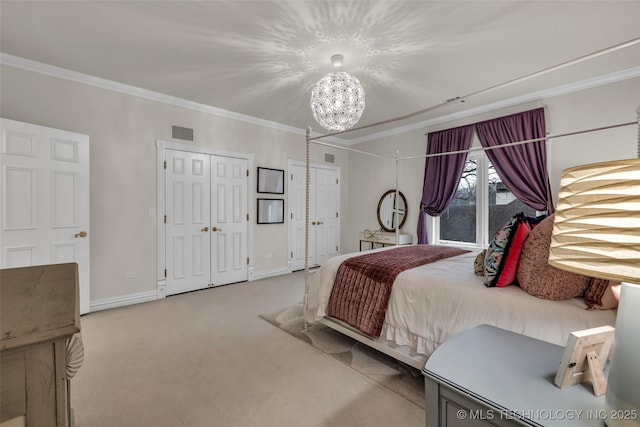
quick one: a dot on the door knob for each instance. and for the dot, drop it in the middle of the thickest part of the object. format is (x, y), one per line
(204, 230)
(80, 234)
(313, 223)
(216, 229)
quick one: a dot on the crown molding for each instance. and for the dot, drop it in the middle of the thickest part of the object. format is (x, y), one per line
(604, 79)
(74, 76)
(63, 73)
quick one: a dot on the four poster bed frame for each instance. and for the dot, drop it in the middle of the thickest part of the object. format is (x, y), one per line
(408, 354)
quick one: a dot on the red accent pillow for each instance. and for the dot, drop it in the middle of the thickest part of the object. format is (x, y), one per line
(503, 255)
(508, 272)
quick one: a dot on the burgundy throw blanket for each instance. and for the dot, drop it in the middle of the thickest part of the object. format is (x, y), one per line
(363, 283)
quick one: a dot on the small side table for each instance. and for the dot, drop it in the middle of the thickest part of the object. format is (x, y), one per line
(381, 239)
(489, 376)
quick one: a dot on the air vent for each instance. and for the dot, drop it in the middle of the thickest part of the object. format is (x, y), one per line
(185, 134)
(329, 158)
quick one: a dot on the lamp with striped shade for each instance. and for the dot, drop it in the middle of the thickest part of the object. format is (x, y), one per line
(596, 233)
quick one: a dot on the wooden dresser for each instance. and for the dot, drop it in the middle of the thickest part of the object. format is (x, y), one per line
(39, 310)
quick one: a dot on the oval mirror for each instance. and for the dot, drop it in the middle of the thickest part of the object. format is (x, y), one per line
(392, 212)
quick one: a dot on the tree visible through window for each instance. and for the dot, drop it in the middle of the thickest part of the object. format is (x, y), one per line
(481, 198)
(458, 222)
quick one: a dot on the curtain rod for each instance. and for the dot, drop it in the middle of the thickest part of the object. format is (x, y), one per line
(526, 141)
(341, 147)
(461, 99)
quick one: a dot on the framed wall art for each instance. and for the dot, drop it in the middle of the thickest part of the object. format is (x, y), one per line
(270, 181)
(270, 211)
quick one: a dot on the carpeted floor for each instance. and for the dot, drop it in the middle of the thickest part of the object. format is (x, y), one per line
(398, 377)
(206, 359)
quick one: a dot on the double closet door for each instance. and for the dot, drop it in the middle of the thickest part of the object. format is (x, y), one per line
(324, 213)
(206, 207)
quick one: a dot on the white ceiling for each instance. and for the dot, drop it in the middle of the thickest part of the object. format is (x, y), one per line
(262, 58)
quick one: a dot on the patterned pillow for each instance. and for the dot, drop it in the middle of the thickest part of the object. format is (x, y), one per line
(478, 263)
(498, 250)
(599, 295)
(502, 265)
(537, 277)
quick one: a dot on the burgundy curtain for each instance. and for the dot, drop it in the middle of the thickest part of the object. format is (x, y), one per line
(523, 168)
(442, 173)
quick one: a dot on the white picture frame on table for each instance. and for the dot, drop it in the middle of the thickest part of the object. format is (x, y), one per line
(584, 358)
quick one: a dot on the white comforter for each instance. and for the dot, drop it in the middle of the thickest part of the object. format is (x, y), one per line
(430, 303)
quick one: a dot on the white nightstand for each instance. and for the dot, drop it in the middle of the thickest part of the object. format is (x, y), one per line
(489, 376)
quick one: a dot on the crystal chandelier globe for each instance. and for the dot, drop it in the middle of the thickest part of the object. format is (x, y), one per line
(337, 99)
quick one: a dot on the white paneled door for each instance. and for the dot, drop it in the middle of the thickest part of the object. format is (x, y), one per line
(229, 221)
(326, 215)
(206, 220)
(188, 195)
(324, 212)
(45, 199)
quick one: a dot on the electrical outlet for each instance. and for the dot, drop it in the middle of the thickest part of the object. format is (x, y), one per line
(130, 275)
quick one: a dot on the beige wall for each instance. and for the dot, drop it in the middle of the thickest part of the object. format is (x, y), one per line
(124, 129)
(601, 106)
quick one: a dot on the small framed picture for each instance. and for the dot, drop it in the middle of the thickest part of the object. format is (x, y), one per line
(584, 358)
(270, 211)
(270, 181)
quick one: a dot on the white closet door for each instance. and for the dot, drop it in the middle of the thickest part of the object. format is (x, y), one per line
(45, 199)
(324, 232)
(326, 214)
(297, 202)
(188, 246)
(229, 223)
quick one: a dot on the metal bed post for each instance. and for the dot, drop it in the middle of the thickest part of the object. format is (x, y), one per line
(306, 224)
(638, 116)
(395, 203)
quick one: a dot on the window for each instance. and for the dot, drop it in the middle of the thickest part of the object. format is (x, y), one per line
(482, 204)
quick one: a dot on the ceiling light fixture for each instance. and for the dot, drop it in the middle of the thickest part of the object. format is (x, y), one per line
(337, 99)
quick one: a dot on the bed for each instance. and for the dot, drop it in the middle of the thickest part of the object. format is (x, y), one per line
(434, 301)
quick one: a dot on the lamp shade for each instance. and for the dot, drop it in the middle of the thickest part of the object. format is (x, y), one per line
(596, 230)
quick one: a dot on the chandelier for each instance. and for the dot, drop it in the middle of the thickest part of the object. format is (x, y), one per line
(337, 99)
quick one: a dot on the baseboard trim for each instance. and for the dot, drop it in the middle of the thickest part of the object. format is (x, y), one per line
(131, 299)
(257, 275)
(122, 301)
